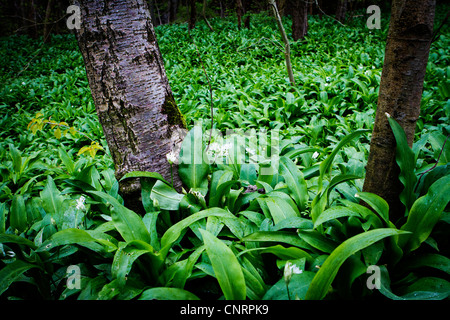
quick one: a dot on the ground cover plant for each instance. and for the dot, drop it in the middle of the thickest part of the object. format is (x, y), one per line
(239, 230)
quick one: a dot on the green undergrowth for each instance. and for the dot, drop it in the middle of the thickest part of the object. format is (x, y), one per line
(270, 210)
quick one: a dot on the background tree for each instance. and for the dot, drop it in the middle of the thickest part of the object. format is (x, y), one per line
(299, 10)
(132, 95)
(406, 56)
(192, 15)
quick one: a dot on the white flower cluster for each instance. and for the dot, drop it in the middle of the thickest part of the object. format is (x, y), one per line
(216, 150)
(172, 157)
(80, 203)
(290, 269)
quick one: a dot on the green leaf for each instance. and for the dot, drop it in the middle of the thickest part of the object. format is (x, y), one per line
(13, 271)
(298, 286)
(127, 222)
(279, 209)
(406, 160)
(192, 167)
(326, 164)
(334, 212)
(327, 272)
(425, 213)
(66, 160)
(71, 236)
(174, 232)
(168, 198)
(144, 174)
(18, 214)
(52, 201)
(295, 182)
(221, 183)
(162, 293)
(380, 205)
(226, 267)
(278, 236)
(317, 240)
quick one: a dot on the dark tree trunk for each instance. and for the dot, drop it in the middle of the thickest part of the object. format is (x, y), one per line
(341, 10)
(239, 12)
(299, 18)
(173, 6)
(406, 56)
(132, 96)
(193, 15)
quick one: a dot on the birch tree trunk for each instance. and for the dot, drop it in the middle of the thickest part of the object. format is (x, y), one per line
(132, 96)
(406, 57)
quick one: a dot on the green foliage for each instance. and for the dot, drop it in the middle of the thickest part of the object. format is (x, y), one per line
(253, 202)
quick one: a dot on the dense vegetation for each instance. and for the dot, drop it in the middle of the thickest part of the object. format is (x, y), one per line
(298, 232)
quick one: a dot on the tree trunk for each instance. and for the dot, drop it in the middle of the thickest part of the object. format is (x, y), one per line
(406, 56)
(46, 21)
(204, 16)
(239, 12)
(193, 15)
(299, 18)
(173, 5)
(132, 96)
(287, 47)
(341, 10)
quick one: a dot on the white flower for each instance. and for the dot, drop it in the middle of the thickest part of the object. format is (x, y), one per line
(23, 83)
(290, 269)
(80, 203)
(171, 157)
(360, 68)
(328, 79)
(315, 155)
(250, 151)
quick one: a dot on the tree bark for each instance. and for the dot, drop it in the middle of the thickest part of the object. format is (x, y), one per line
(299, 18)
(131, 92)
(287, 47)
(193, 15)
(341, 10)
(406, 56)
(239, 12)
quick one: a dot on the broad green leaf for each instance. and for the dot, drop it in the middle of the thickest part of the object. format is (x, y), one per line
(123, 261)
(295, 182)
(12, 238)
(317, 240)
(326, 164)
(167, 197)
(221, 183)
(13, 271)
(144, 174)
(282, 252)
(227, 269)
(174, 232)
(327, 272)
(380, 205)
(18, 214)
(278, 236)
(298, 286)
(2, 217)
(127, 222)
(425, 213)
(192, 167)
(71, 236)
(66, 160)
(279, 209)
(162, 293)
(406, 161)
(334, 212)
(52, 201)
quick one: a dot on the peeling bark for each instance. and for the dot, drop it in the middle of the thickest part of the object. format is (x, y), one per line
(406, 57)
(131, 92)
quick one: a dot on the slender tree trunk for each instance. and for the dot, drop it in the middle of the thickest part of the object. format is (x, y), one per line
(193, 15)
(46, 21)
(299, 18)
(406, 56)
(287, 47)
(132, 95)
(341, 10)
(239, 11)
